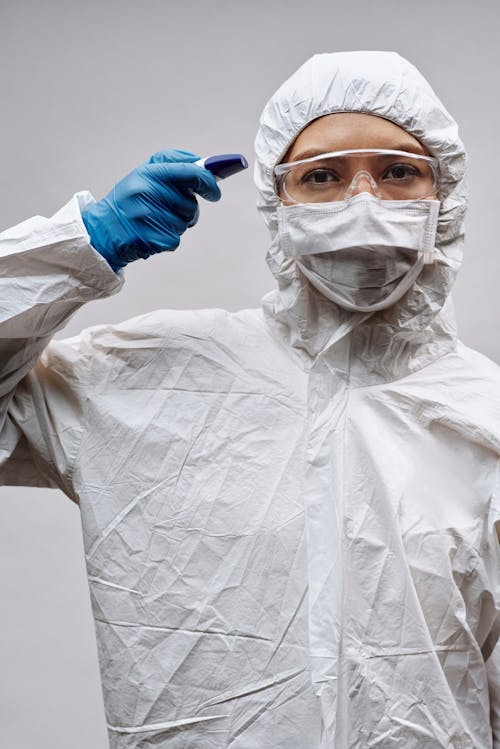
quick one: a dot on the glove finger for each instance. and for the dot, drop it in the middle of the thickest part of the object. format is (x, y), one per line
(173, 155)
(162, 237)
(177, 205)
(171, 209)
(188, 178)
(142, 193)
(165, 220)
(194, 219)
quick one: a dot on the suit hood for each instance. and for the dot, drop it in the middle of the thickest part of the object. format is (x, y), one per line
(420, 326)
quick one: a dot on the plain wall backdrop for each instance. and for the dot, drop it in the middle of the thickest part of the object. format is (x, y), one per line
(91, 89)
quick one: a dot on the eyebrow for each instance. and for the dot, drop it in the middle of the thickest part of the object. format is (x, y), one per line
(410, 147)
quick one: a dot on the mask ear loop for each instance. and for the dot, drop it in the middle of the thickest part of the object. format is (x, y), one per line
(429, 250)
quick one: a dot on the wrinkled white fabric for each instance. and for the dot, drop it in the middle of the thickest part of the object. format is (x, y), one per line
(311, 228)
(288, 514)
(362, 253)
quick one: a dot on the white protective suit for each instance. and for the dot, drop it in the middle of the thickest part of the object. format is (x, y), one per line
(290, 514)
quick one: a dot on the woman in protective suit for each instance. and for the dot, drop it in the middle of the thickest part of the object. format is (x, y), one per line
(290, 514)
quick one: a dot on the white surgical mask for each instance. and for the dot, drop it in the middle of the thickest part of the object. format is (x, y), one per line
(362, 253)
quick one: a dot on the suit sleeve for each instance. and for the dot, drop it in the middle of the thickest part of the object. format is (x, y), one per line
(47, 271)
(493, 672)
(491, 648)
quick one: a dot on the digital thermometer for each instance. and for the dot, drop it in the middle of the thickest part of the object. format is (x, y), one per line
(224, 165)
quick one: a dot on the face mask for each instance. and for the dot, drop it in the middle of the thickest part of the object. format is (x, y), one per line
(363, 253)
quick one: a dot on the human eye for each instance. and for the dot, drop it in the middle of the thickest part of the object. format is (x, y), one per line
(400, 172)
(319, 176)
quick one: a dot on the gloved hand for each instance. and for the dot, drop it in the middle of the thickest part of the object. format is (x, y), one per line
(150, 208)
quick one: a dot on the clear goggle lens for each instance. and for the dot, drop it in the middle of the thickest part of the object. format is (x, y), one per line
(390, 175)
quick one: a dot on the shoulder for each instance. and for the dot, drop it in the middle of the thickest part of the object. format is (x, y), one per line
(183, 349)
(461, 391)
(473, 377)
(166, 327)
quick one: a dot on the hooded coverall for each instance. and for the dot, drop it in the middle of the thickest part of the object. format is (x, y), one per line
(290, 536)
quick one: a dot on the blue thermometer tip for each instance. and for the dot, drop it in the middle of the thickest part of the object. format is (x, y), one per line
(225, 164)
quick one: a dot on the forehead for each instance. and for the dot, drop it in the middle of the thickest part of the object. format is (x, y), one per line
(345, 130)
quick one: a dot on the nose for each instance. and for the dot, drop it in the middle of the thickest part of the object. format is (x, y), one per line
(362, 182)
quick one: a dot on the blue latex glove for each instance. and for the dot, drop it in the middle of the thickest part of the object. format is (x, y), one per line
(150, 208)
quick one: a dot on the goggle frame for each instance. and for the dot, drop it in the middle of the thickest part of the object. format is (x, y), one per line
(281, 170)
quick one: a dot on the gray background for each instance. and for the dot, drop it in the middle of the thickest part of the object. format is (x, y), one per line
(89, 90)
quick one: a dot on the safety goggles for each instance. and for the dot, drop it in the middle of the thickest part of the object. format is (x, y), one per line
(389, 175)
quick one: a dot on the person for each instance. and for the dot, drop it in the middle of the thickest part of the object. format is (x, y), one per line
(290, 514)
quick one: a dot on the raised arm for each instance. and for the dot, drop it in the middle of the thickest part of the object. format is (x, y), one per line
(48, 269)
